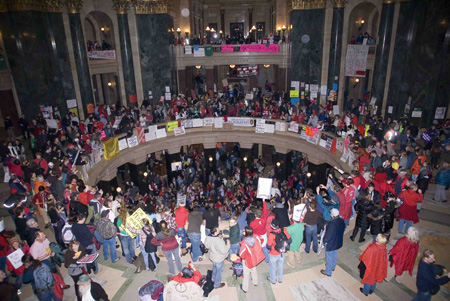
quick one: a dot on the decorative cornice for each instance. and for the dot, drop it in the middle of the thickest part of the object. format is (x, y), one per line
(30, 5)
(121, 6)
(73, 6)
(153, 6)
(339, 3)
(308, 4)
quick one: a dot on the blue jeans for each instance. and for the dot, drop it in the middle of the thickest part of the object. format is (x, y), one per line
(346, 222)
(217, 273)
(176, 255)
(331, 261)
(145, 255)
(311, 234)
(369, 288)
(48, 295)
(374, 238)
(92, 250)
(414, 178)
(127, 247)
(181, 232)
(422, 296)
(3, 263)
(266, 253)
(99, 238)
(401, 223)
(195, 245)
(19, 281)
(234, 249)
(111, 244)
(276, 261)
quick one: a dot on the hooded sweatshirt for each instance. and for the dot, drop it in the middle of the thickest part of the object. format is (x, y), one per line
(251, 252)
(218, 249)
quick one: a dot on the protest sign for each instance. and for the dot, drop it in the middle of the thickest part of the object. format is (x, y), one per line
(218, 122)
(16, 258)
(161, 133)
(264, 188)
(172, 125)
(280, 126)
(132, 141)
(179, 131)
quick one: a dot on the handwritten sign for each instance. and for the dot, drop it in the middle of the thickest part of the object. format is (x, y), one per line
(208, 121)
(294, 93)
(135, 220)
(218, 123)
(227, 48)
(123, 144)
(293, 127)
(150, 136)
(280, 126)
(264, 188)
(161, 133)
(179, 131)
(259, 48)
(197, 123)
(172, 125)
(16, 258)
(132, 141)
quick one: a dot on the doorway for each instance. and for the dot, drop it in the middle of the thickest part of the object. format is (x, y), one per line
(236, 30)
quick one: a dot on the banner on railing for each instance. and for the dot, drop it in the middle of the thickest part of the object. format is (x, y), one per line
(110, 148)
(259, 48)
(102, 55)
(227, 48)
(356, 59)
(240, 121)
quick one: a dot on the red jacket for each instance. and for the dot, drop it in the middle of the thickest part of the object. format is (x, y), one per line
(180, 279)
(271, 240)
(404, 255)
(181, 216)
(259, 224)
(252, 254)
(19, 271)
(375, 259)
(345, 209)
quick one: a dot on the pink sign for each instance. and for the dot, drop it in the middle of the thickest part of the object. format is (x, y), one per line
(227, 48)
(259, 48)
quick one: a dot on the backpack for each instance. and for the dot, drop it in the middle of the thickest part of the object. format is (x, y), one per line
(106, 228)
(93, 216)
(43, 279)
(59, 254)
(152, 289)
(58, 290)
(149, 247)
(281, 242)
(238, 268)
(67, 234)
(208, 286)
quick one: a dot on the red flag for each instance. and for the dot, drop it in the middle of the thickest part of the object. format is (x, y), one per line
(141, 135)
(333, 146)
(133, 98)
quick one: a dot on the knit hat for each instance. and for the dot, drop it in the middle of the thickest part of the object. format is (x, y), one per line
(83, 280)
(334, 212)
(15, 239)
(275, 224)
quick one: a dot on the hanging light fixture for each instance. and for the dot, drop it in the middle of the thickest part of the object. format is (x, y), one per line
(198, 67)
(266, 66)
(232, 66)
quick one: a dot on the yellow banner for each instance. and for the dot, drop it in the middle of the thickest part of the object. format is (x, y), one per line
(135, 220)
(172, 125)
(110, 148)
(294, 93)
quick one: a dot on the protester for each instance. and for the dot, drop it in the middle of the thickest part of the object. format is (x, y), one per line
(296, 232)
(403, 255)
(91, 290)
(146, 232)
(166, 239)
(251, 254)
(17, 244)
(108, 232)
(195, 220)
(333, 240)
(75, 252)
(278, 242)
(42, 278)
(408, 210)
(373, 264)
(218, 251)
(181, 217)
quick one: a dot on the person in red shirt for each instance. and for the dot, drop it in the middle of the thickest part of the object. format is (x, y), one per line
(346, 207)
(276, 259)
(259, 228)
(190, 274)
(181, 217)
(408, 210)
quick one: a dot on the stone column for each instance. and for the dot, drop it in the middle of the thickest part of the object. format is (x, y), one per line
(334, 65)
(172, 155)
(222, 21)
(137, 175)
(153, 21)
(307, 19)
(209, 78)
(80, 52)
(250, 18)
(121, 6)
(382, 54)
(281, 163)
(246, 157)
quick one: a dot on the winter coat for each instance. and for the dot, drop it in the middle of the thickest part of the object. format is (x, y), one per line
(363, 207)
(376, 221)
(443, 177)
(404, 255)
(251, 252)
(168, 243)
(389, 215)
(334, 234)
(375, 260)
(218, 249)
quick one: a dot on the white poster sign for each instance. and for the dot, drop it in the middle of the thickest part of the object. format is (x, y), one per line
(187, 123)
(336, 110)
(179, 131)
(208, 121)
(416, 114)
(71, 103)
(16, 258)
(132, 141)
(241, 121)
(356, 60)
(373, 100)
(293, 127)
(52, 123)
(199, 53)
(323, 90)
(340, 145)
(218, 122)
(314, 88)
(390, 109)
(280, 126)
(152, 128)
(269, 128)
(150, 136)
(264, 188)
(296, 85)
(187, 49)
(440, 113)
(168, 96)
(197, 123)
(123, 144)
(161, 133)
(117, 122)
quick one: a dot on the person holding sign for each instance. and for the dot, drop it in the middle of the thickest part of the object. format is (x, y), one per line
(147, 249)
(14, 260)
(75, 252)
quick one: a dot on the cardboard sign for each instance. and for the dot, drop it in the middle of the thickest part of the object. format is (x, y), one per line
(150, 136)
(90, 108)
(218, 123)
(132, 141)
(336, 110)
(294, 93)
(440, 113)
(264, 188)
(208, 121)
(293, 127)
(71, 103)
(269, 128)
(172, 125)
(179, 131)
(280, 126)
(161, 133)
(16, 258)
(123, 144)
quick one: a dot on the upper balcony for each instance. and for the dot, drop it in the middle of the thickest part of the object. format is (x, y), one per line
(233, 55)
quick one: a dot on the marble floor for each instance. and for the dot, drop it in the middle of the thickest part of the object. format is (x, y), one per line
(305, 282)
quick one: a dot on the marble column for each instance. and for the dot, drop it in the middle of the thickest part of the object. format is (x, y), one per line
(222, 21)
(80, 53)
(171, 157)
(152, 23)
(334, 65)
(182, 87)
(210, 78)
(137, 175)
(280, 171)
(382, 53)
(121, 7)
(307, 40)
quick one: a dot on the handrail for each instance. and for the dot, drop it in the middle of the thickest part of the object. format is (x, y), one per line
(245, 130)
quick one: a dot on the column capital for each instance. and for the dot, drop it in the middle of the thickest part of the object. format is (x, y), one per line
(308, 4)
(30, 5)
(153, 6)
(339, 3)
(73, 6)
(121, 6)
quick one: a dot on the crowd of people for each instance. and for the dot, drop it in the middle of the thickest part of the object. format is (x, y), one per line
(391, 163)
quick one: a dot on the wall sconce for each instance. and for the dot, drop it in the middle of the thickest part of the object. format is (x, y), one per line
(308, 175)
(283, 28)
(356, 82)
(207, 29)
(278, 164)
(198, 67)
(118, 189)
(145, 174)
(210, 158)
(253, 28)
(279, 30)
(102, 28)
(245, 159)
(266, 66)
(232, 66)
(361, 23)
(186, 31)
(110, 84)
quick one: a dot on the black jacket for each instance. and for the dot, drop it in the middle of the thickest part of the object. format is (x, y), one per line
(363, 207)
(377, 222)
(389, 215)
(97, 292)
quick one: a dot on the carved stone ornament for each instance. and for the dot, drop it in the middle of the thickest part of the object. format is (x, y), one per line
(31, 5)
(121, 6)
(73, 6)
(153, 6)
(308, 4)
